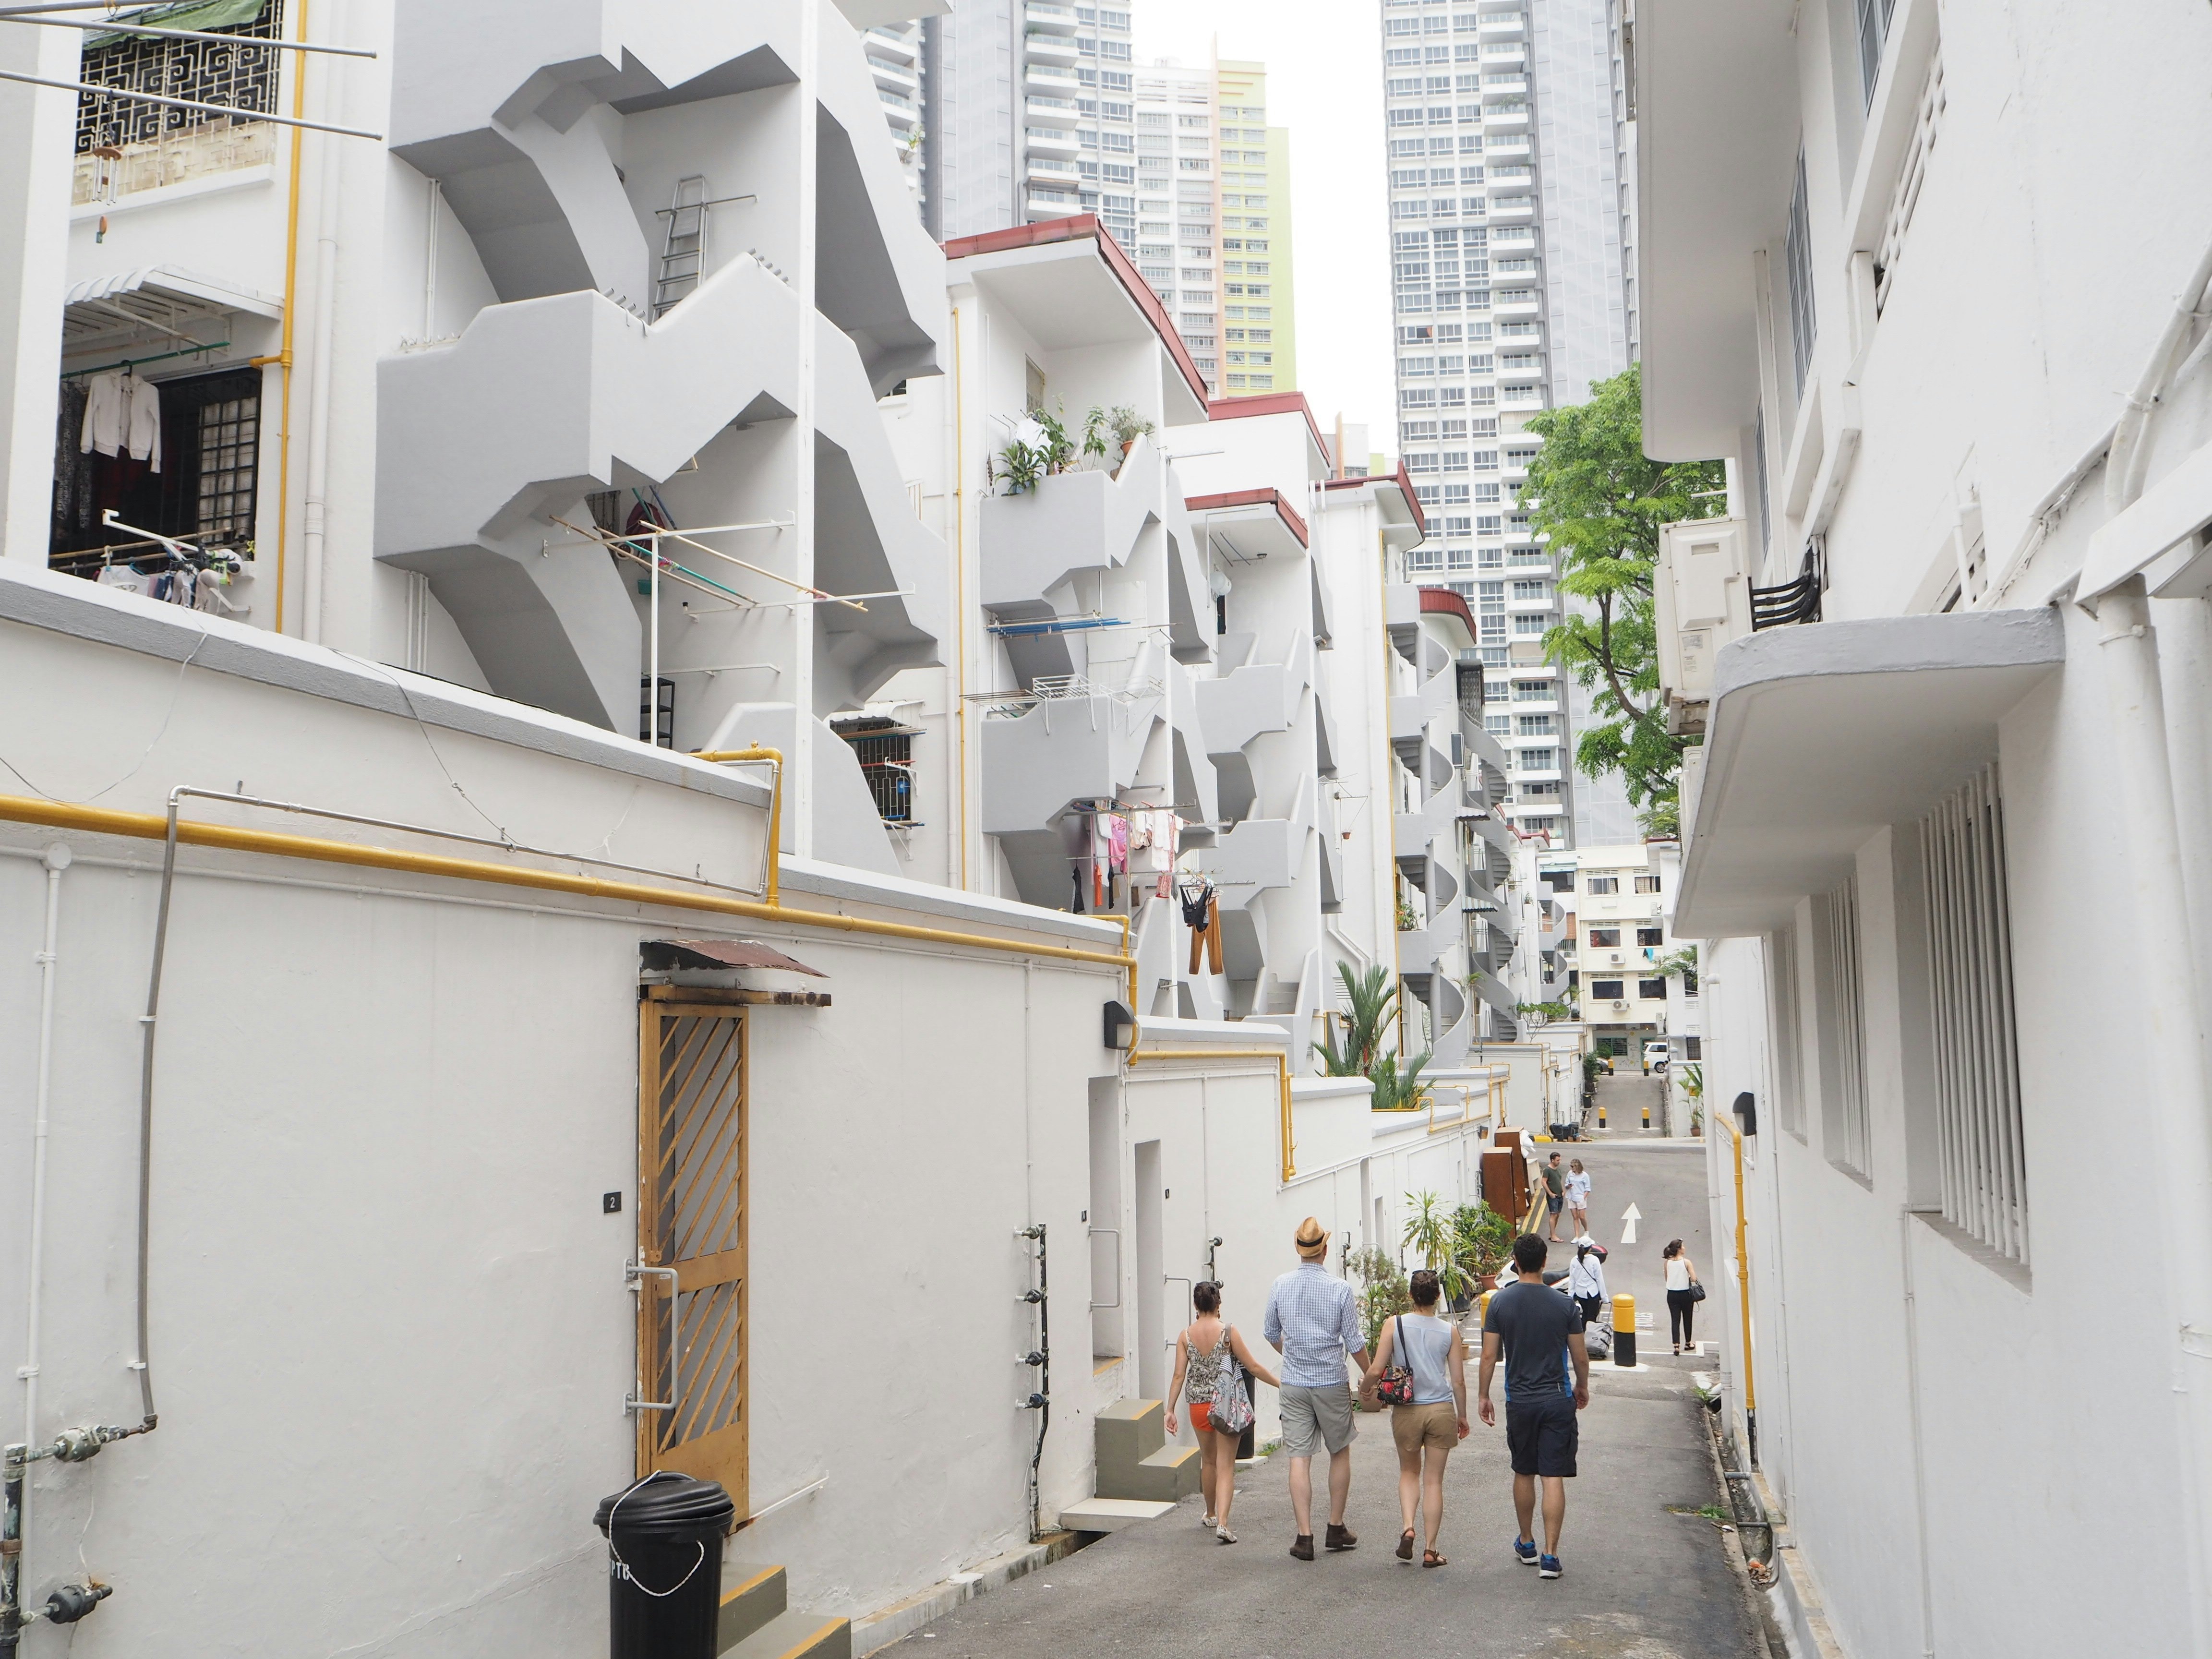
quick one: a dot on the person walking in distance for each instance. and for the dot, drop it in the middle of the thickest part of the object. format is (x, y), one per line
(1578, 1191)
(1313, 1320)
(1425, 1357)
(1586, 1278)
(1206, 1354)
(1681, 1296)
(1538, 1334)
(1555, 1193)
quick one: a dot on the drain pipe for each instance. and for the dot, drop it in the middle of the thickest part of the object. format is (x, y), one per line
(2178, 1096)
(315, 534)
(58, 859)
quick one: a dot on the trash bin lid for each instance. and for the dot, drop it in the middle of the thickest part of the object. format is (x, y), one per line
(666, 1505)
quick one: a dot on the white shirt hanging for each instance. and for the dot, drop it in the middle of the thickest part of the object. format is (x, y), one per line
(107, 416)
(145, 427)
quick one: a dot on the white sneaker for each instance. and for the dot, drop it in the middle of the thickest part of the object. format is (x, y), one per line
(1223, 1535)
(1207, 1521)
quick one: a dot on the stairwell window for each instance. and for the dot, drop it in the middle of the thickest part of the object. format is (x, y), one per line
(1873, 34)
(1845, 1136)
(1782, 1016)
(1979, 1137)
(1797, 258)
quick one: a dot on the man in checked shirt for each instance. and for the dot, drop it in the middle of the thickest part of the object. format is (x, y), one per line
(1314, 1318)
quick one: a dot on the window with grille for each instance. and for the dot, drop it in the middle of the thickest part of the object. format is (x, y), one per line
(1984, 1176)
(241, 76)
(1846, 1137)
(229, 448)
(886, 751)
(1797, 258)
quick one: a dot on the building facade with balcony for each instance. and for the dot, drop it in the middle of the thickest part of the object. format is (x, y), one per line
(1947, 984)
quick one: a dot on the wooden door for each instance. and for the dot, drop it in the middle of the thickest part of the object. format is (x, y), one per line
(692, 1157)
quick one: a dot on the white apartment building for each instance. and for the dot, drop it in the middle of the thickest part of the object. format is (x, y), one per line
(1025, 115)
(1504, 262)
(1944, 834)
(500, 728)
(1619, 939)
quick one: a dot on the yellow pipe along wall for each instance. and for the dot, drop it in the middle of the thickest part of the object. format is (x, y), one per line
(1283, 1070)
(148, 826)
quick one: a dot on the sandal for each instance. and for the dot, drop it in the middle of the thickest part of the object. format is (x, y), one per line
(1406, 1544)
(1430, 1558)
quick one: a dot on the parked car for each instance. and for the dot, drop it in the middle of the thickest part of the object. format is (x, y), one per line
(1655, 1057)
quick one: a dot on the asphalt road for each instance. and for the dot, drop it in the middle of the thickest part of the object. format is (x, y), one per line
(1646, 1576)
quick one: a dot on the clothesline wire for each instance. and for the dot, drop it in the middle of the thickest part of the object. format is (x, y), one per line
(132, 362)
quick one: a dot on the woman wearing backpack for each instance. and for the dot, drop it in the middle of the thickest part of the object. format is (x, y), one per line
(1207, 1355)
(1420, 1371)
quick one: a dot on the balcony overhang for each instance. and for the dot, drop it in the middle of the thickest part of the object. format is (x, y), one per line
(1820, 735)
(1067, 282)
(1250, 524)
(1716, 144)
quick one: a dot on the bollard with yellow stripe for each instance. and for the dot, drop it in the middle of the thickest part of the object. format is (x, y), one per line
(1623, 1330)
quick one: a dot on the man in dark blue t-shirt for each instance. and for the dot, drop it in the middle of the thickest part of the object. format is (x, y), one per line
(1539, 1329)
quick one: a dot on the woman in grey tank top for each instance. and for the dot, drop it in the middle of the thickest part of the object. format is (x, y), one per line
(1435, 1351)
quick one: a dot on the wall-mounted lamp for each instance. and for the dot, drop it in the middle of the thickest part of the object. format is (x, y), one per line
(1747, 1112)
(1120, 1026)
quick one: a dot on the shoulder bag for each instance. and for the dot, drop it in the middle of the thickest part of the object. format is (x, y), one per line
(1696, 1288)
(1232, 1407)
(1396, 1386)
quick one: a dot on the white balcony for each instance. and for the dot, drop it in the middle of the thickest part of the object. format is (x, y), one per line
(1053, 141)
(1505, 144)
(1516, 302)
(1038, 76)
(882, 42)
(1511, 55)
(1504, 26)
(1505, 88)
(1512, 210)
(1511, 117)
(1044, 169)
(1038, 15)
(1052, 112)
(1050, 48)
(892, 75)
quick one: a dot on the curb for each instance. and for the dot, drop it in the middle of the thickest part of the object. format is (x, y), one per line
(901, 1619)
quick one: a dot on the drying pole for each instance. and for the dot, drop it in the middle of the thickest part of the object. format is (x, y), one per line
(653, 675)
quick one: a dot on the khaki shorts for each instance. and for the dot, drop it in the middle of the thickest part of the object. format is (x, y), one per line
(1434, 1426)
(1314, 1418)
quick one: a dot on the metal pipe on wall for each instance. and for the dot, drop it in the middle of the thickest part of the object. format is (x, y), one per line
(57, 860)
(315, 512)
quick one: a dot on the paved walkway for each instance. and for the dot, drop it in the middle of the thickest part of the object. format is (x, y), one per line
(1645, 1578)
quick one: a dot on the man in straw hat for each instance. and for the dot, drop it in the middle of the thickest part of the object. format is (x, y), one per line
(1314, 1318)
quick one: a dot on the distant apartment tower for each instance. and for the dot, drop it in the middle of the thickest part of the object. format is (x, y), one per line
(1504, 258)
(1026, 115)
(1213, 232)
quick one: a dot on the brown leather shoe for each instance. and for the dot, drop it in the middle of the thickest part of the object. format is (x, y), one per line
(1302, 1546)
(1341, 1538)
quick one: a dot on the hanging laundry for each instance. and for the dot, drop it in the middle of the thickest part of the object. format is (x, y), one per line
(122, 576)
(1117, 843)
(1213, 935)
(106, 415)
(1166, 877)
(1075, 875)
(143, 432)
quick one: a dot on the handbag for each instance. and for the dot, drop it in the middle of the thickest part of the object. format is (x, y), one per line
(1697, 1289)
(1396, 1387)
(1232, 1407)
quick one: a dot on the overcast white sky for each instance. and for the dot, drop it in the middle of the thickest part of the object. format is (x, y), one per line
(1325, 84)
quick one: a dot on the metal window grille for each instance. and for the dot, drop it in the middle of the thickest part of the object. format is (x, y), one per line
(242, 77)
(1797, 255)
(229, 451)
(1848, 1141)
(886, 758)
(1977, 1056)
(1783, 1015)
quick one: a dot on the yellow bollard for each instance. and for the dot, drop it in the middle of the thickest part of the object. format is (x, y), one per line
(1623, 1330)
(1647, 1114)
(1600, 1116)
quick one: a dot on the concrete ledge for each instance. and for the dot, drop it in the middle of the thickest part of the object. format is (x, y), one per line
(1798, 1606)
(1112, 1514)
(901, 1619)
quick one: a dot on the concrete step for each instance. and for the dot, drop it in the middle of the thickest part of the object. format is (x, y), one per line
(796, 1636)
(1111, 1514)
(751, 1596)
(1169, 1473)
(1129, 1431)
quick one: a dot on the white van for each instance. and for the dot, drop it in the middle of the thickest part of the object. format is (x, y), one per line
(1655, 1056)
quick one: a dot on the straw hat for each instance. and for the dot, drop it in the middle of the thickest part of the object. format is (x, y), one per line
(1312, 1239)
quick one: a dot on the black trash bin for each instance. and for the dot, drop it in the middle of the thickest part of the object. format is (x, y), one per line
(665, 1565)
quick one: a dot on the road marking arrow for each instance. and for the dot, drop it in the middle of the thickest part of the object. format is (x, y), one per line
(1629, 1217)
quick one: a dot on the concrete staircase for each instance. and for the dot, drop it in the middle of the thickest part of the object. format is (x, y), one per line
(1140, 1476)
(757, 1621)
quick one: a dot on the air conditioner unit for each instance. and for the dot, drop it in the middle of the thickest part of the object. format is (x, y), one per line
(1702, 594)
(1619, 1005)
(1617, 958)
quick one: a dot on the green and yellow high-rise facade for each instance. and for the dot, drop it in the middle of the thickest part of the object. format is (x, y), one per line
(1259, 346)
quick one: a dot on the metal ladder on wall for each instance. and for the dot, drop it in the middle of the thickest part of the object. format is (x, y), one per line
(684, 249)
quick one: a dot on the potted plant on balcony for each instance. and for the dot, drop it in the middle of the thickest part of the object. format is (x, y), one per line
(1127, 426)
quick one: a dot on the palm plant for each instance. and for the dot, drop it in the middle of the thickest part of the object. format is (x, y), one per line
(1398, 1087)
(1370, 995)
(1383, 1294)
(1430, 1235)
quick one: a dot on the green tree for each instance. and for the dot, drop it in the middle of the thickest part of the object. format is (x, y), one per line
(1601, 500)
(1369, 996)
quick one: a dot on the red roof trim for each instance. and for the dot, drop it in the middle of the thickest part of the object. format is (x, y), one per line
(1449, 604)
(1269, 402)
(1078, 228)
(1253, 498)
(1399, 478)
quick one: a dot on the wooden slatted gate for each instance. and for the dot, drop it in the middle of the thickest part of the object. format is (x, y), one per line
(691, 1215)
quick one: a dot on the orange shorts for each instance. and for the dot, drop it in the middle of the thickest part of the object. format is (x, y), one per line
(1201, 1416)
